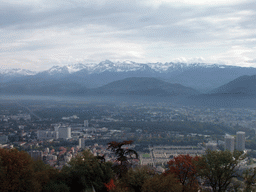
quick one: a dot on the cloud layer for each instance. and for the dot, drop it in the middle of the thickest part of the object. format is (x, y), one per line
(39, 34)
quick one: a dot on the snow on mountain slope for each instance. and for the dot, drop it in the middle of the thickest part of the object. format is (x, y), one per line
(126, 66)
(16, 72)
(69, 69)
(117, 66)
(133, 66)
(57, 69)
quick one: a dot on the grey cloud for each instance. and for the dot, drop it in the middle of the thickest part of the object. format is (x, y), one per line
(28, 16)
(121, 15)
(12, 15)
(129, 20)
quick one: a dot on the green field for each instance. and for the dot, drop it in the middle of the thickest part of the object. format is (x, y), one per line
(146, 155)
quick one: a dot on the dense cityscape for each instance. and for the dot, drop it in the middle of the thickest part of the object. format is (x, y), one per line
(55, 132)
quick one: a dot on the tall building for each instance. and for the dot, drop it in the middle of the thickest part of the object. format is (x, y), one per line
(229, 143)
(64, 132)
(86, 123)
(240, 141)
(82, 143)
(56, 127)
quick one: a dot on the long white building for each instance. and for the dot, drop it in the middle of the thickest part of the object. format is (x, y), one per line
(59, 133)
(46, 135)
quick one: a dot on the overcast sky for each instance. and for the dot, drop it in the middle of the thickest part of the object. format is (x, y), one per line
(37, 34)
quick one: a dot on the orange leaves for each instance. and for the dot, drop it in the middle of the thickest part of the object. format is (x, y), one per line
(110, 185)
(17, 170)
(163, 183)
(184, 168)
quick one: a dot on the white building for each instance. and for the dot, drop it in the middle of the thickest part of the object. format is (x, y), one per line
(86, 123)
(211, 146)
(229, 143)
(47, 150)
(26, 117)
(240, 141)
(81, 143)
(56, 127)
(47, 135)
(51, 157)
(64, 132)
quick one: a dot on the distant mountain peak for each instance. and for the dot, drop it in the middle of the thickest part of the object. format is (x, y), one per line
(58, 69)
(68, 69)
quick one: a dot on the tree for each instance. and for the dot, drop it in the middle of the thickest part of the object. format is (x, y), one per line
(249, 176)
(85, 171)
(123, 156)
(17, 172)
(218, 168)
(55, 186)
(163, 183)
(110, 185)
(49, 178)
(183, 167)
(134, 179)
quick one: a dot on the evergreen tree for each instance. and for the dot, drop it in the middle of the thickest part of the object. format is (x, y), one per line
(123, 156)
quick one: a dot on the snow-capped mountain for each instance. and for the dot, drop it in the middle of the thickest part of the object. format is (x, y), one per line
(16, 72)
(109, 66)
(98, 68)
(127, 66)
(69, 69)
(200, 76)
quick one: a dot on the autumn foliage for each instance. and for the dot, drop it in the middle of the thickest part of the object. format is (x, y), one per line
(110, 185)
(163, 183)
(184, 168)
(17, 173)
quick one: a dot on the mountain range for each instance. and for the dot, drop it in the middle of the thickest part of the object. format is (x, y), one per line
(202, 77)
(130, 78)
